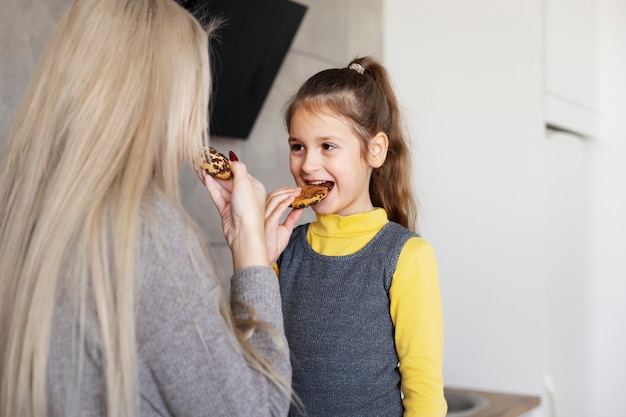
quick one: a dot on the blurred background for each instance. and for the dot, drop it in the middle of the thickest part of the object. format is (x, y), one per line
(515, 109)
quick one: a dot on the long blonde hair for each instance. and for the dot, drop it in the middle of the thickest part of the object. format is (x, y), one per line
(118, 101)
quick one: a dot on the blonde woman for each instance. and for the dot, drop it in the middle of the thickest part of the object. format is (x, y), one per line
(109, 305)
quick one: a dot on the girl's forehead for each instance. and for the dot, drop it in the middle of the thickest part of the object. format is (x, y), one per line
(323, 115)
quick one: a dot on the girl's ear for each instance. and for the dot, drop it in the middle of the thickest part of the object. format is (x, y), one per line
(377, 150)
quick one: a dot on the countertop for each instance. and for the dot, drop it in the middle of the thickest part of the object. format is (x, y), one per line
(501, 404)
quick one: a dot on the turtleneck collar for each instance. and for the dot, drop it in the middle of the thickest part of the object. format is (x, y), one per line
(333, 225)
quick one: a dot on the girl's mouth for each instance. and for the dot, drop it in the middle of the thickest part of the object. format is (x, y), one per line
(327, 184)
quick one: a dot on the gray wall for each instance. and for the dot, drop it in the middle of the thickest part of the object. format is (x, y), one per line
(24, 29)
(332, 32)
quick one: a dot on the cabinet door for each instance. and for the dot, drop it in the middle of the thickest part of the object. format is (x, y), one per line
(571, 65)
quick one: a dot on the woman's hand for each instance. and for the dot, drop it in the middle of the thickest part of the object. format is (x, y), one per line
(276, 234)
(240, 203)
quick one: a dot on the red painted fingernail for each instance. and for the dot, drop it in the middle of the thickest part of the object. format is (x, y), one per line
(232, 156)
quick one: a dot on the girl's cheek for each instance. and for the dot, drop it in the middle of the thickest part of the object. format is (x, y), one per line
(294, 166)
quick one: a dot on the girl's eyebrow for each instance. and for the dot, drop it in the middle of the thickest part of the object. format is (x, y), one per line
(322, 139)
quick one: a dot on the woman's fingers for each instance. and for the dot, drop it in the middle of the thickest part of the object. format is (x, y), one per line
(241, 204)
(218, 192)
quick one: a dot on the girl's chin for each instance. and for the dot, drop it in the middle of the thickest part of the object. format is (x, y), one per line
(321, 208)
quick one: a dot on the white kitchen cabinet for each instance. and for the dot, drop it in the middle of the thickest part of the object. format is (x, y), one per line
(571, 62)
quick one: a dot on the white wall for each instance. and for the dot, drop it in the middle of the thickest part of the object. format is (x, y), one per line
(468, 74)
(528, 227)
(567, 274)
(608, 262)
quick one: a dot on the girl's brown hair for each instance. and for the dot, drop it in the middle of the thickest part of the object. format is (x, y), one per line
(362, 94)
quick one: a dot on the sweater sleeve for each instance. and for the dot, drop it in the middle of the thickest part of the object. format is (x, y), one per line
(190, 361)
(417, 314)
(257, 287)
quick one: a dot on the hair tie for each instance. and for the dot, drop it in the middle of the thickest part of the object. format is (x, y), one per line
(355, 66)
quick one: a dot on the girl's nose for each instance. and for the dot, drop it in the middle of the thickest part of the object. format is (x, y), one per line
(311, 162)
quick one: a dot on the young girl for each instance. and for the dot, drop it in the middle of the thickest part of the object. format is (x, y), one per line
(360, 290)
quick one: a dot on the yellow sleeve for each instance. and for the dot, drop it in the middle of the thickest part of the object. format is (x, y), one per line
(417, 314)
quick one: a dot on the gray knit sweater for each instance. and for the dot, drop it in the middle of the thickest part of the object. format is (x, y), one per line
(189, 364)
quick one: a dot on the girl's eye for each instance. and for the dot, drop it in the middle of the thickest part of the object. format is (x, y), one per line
(328, 146)
(296, 147)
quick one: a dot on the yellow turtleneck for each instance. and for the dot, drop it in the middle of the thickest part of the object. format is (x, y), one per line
(415, 309)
